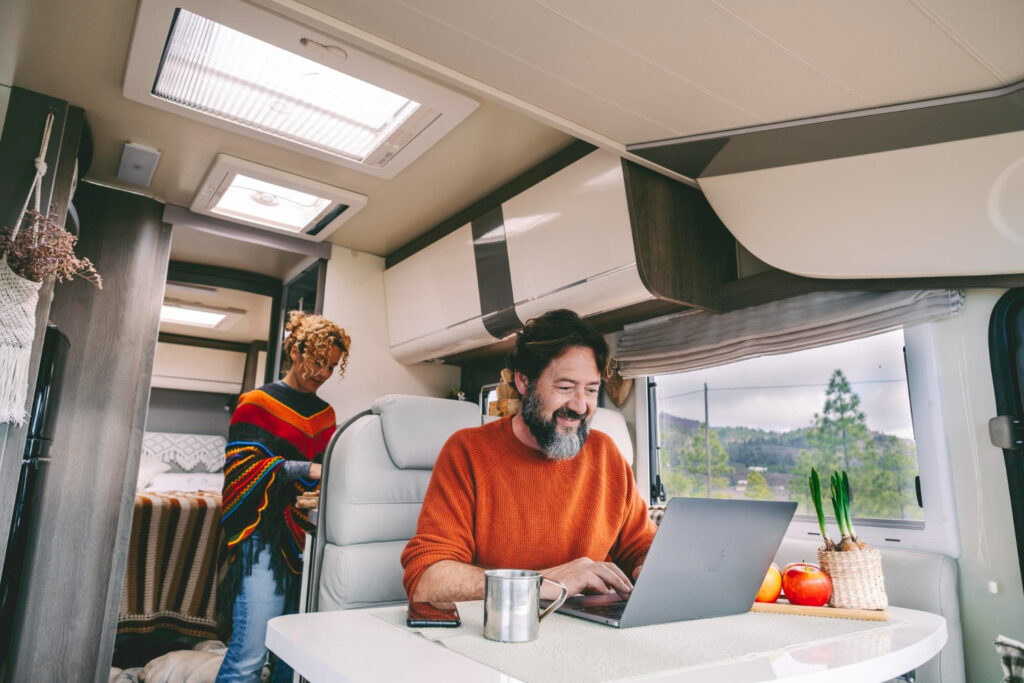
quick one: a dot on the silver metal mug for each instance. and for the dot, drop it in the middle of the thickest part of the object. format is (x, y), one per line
(512, 611)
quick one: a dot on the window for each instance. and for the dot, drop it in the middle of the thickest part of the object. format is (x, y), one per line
(755, 428)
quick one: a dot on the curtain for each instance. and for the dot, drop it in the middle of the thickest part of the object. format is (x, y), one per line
(698, 339)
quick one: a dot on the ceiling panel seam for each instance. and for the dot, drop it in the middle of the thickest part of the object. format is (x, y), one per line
(536, 68)
(933, 16)
(650, 62)
(790, 54)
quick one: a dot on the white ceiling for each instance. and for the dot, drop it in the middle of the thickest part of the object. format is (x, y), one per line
(640, 71)
(610, 72)
(77, 51)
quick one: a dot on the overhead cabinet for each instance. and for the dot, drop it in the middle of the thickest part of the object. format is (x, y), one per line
(432, 300)
(598, 236)
(570, 244)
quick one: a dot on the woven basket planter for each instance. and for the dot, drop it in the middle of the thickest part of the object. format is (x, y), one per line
(18, 299)
(857, 580)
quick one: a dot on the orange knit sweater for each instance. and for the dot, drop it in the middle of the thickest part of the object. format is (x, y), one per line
(494, 502)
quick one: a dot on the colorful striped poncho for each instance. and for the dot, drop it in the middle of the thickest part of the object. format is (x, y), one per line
(275, 431)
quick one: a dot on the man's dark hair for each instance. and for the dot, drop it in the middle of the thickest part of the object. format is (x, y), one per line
(545, 338)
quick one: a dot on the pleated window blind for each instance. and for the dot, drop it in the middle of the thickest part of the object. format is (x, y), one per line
(699, 339)
(222, 72)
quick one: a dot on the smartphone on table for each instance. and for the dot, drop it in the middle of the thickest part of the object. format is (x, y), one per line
(423, 614)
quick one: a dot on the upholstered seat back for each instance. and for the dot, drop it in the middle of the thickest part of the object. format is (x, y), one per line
(612, 423)
(923, 581)
(378, 472)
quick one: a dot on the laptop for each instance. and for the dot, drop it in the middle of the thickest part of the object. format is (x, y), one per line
(708, 559)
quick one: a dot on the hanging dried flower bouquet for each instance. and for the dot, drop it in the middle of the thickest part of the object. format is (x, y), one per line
(42, 248)
(33, 249)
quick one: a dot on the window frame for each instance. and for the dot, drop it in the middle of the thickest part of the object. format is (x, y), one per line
(939, 531)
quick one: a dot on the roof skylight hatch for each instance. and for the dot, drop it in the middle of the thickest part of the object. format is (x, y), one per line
(235, 66)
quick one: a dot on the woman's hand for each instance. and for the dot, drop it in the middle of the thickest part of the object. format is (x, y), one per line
(314, 470)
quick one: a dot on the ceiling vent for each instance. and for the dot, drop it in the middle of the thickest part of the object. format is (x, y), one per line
(245, 192)
(238, 67)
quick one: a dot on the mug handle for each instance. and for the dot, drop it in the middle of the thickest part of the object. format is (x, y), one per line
(557, 603)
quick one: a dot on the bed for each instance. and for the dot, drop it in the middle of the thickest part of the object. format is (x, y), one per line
(171, 577)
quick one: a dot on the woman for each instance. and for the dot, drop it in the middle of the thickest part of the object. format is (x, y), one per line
(275, 446)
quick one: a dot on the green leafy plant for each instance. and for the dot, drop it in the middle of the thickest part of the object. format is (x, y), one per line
(840, 491)
(816, 499)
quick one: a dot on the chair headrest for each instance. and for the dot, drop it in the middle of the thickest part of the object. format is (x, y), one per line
(612, 423)
(415, 427)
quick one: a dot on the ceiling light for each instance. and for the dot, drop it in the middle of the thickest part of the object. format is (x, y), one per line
(265, 197)
(237, 66)
(199, 315)
(190, 316)
(274, 206)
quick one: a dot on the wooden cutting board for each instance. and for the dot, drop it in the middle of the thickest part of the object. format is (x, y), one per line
(783, 607)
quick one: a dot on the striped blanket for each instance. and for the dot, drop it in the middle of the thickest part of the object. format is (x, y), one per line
(172, 564)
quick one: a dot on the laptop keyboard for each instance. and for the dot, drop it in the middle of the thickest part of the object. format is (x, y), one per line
(612, 611)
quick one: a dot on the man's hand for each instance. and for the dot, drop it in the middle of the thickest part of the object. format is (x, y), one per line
(583, 575)
(314, 470)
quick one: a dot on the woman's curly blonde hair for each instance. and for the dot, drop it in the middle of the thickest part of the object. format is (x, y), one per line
(315, 335)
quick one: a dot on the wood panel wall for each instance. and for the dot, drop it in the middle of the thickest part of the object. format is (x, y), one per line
(19, 145)
(65, 630)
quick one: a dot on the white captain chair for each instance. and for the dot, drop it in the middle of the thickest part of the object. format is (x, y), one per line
(376, 471)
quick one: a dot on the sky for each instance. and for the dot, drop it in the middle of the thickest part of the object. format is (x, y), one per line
(780, 393)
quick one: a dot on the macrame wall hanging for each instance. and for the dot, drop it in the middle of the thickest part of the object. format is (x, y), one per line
(18, 299)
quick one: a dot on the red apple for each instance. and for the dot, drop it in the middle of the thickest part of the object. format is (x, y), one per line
(806, 584)
(771, 586)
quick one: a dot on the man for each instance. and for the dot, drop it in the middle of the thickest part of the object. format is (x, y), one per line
(538, 490)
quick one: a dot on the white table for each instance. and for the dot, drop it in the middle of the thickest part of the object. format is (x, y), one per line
(356, 646)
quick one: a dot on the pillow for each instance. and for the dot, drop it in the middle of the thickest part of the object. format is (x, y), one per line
(183, 665)
(149, 467)
(186, 482)
(186, 452)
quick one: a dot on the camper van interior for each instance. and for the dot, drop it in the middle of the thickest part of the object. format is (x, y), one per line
(798, 225)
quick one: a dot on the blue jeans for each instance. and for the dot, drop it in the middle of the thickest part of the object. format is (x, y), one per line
(257, 603)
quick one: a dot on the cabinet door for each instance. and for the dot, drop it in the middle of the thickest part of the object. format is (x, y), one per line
(191, 368)
(569, 230)
(433, 300)
(433, 289)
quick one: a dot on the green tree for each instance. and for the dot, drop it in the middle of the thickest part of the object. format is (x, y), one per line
(883, 483)
(697, 461)
(840, 428)
(672, 454)
(881, 467)
(836, 440)
(757, 487)
(678, 483)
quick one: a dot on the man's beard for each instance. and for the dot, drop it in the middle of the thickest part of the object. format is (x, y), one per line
(556, 444)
